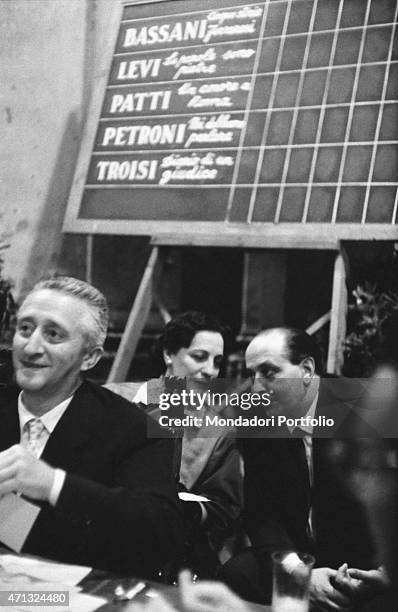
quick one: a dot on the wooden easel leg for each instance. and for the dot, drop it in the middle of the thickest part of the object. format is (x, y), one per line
(136, 321)
(338, 316)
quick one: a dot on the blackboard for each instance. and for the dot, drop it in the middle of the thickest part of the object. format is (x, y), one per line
(272, 123)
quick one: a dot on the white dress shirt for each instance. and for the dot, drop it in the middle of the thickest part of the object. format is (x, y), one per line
(49, 420)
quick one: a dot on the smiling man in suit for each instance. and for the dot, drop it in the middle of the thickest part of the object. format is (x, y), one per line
(106, 492)
(296, 497)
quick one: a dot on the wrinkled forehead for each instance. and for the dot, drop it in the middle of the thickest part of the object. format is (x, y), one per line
(43, 299)
(267, 347)
(53, 305)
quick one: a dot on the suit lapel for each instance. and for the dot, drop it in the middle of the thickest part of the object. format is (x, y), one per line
(72, 433)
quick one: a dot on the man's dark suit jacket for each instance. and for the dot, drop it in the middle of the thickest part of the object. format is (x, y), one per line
(278, 495)
(118, 508)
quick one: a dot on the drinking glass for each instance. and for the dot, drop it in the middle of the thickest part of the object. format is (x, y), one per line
(291, 581)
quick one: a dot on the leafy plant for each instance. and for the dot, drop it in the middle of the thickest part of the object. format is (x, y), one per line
(7, 309)
(7, 305)
(369, 311)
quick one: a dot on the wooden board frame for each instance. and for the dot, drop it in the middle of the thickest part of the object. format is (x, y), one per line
(199, 233)
(256, 235)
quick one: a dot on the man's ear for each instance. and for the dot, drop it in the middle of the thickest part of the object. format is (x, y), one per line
(91, 358)
(308, 367)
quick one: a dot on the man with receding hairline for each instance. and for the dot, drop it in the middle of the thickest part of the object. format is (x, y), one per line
(295, 499)
(106, 492)
(288, 363)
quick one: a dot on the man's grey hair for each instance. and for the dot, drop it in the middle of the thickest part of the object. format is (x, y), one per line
(92, 297)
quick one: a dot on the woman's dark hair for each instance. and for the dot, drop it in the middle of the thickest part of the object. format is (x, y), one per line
(180, 330)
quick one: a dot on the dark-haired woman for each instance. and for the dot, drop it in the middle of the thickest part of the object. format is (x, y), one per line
(193, 349)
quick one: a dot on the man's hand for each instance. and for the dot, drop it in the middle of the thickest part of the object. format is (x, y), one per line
(345, 583)
(325, 596)
(21, 472)
(370, 582)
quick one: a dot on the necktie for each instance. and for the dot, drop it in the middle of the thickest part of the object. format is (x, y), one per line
(305, 463)
(33, 431)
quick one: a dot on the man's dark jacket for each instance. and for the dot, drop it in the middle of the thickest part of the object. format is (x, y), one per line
(278, 495)
(118, 508)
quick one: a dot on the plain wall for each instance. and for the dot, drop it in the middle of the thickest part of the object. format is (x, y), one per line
(51, 54)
